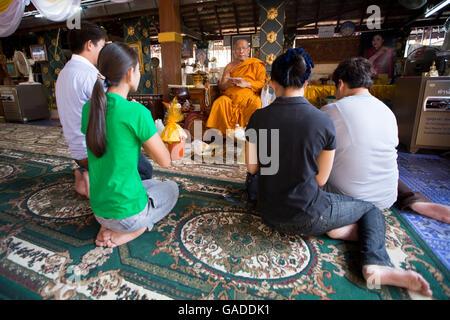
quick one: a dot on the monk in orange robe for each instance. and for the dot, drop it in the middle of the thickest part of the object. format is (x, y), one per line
(241, 97)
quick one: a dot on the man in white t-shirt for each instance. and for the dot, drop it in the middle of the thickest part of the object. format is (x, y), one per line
(74, 88)
(365, 164)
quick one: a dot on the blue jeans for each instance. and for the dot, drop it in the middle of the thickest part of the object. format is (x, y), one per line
(345, 211)
(145, 168)
(162, 197)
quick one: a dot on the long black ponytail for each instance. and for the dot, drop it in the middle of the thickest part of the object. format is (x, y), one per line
(114, 61)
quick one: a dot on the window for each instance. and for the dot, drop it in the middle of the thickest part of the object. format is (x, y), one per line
(426, 36)
(221, 53)
(218, 51)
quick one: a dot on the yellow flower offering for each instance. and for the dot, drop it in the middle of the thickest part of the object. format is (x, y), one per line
(173, 132)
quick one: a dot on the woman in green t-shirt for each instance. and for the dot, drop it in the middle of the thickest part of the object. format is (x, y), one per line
(116, 129)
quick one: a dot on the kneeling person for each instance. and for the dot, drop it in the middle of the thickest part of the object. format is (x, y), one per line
(365, 164)
(116, 129)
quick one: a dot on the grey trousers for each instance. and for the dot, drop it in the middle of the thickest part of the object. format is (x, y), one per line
(162, 197)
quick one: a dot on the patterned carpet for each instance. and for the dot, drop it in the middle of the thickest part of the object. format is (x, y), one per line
(429, 174)
(50, 141)
(206, 248)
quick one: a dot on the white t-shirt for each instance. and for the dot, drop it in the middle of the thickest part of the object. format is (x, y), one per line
(365, 164)
(73, 89)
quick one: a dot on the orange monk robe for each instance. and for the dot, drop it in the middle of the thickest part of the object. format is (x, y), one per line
(238, 104)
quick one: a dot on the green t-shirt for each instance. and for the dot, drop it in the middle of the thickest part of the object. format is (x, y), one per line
(116, 190)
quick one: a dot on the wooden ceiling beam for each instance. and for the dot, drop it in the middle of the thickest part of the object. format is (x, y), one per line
(191, 33)
(236, 16)
(317, 13)
(363, 12)
(218, 20)
(415, 17)
(211, 4)
(439, 15)
(149, 12)
(326, 17)
(428, 22)
(255, 15)
(388, 11)
(199, 21)
(340, 9)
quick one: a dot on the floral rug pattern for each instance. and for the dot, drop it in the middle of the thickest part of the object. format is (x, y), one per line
(206, 248)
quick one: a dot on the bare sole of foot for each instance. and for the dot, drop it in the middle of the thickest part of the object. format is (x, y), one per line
(102, 238)
(115, 239)
(435, 211)
(82, 183)
(382, 275)
(347, 233)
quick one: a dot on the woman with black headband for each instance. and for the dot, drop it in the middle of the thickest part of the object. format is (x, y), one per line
(290, 199)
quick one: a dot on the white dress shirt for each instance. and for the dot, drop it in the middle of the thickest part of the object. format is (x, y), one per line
(73, 89)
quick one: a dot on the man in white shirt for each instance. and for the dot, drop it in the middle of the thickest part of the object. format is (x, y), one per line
(74, 88)
(365, 164)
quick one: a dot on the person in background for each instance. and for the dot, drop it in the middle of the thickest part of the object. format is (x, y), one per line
(365, 164)
(73, 89)
(291, 200)
(201, 57)
(381, 56)
(116, 129)
(241, 95)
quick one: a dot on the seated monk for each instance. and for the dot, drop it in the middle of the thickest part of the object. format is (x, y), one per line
(241, 97)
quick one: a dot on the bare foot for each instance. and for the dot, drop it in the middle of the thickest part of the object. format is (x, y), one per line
(82, 183)
(114, 239)
(102, 237)
(433, 210)
(383, 275)
(348, 233)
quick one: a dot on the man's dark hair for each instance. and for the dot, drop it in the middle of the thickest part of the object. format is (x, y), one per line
(355, 72)
(77, 38)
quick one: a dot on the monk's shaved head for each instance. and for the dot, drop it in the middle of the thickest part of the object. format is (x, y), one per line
(242, 42)
(241, 50)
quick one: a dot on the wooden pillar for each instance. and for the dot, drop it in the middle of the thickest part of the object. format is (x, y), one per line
(170, 39)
